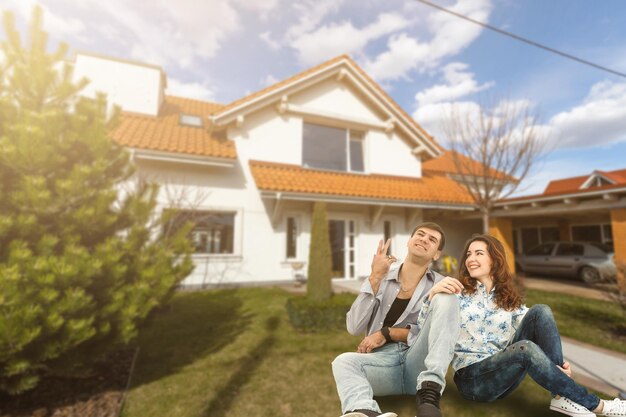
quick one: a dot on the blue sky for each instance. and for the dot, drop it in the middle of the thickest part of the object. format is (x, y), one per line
(220, 50)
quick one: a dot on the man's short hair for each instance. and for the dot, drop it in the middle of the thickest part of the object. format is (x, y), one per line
(436, 228)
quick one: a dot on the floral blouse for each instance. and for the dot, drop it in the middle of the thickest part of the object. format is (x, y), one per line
(486, 329)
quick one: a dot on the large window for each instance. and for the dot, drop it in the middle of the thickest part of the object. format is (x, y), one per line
(600, 233)
(332, 148)
(212, 233)
(532, 236)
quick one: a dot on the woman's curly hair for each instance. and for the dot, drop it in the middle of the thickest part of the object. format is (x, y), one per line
(507, 295)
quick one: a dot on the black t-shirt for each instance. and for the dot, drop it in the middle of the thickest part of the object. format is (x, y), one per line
(397, 308)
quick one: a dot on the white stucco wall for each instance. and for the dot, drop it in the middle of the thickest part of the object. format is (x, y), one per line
(136, 88)
(269, 136)
(337, 97)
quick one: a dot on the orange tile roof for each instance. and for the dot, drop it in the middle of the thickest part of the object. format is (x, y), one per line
(165, 133)
(573, 184)
(270, 176)
(318, 68)
(445, 165)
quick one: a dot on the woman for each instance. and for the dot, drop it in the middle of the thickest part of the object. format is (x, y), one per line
(502, 340)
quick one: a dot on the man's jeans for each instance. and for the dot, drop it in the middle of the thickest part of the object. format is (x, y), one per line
(396, 368)
(535, 349)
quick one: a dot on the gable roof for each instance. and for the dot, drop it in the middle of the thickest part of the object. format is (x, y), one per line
(574, 184)
(274, 93)
(165, 133)
(571, 188)
(288, 178)
(445, 164)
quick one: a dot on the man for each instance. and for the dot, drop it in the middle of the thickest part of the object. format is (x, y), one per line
(410, 338)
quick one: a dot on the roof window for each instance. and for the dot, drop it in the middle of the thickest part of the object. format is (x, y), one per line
(190, 120)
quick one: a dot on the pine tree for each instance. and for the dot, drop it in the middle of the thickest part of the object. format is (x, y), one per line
(81, 264)
(320, 264)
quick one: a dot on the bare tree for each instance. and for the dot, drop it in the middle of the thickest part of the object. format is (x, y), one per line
(493, 150)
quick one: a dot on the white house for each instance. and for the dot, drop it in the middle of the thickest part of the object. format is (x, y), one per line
(249, 171)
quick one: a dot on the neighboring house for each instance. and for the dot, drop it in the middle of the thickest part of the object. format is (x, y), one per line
(247, 173)
(586, 208)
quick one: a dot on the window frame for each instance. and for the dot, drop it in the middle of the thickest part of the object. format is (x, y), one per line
(349, 138)
(298, 226)
(237, 230)
(187, 123)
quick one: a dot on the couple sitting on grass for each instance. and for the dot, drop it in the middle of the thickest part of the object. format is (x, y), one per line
(417, 322)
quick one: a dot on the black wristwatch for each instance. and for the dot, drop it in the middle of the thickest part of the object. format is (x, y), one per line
(385, 332)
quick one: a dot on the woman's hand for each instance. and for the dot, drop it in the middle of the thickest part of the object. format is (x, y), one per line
(448, 285)
(371, 342)
(566, 368)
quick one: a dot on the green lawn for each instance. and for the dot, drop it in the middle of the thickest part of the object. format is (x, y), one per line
(234, 353)
(599, 323)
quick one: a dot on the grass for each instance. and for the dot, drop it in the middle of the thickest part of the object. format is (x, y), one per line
(600, 323)
(234, 353)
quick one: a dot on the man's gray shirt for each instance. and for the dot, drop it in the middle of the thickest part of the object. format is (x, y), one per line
(368, 311)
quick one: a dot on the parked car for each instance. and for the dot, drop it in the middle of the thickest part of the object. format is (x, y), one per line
(589, 261)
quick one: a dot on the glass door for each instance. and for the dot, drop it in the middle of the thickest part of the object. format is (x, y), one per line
(342, 235)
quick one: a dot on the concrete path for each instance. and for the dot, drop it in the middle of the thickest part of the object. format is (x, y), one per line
(579, 289)
(600, 369)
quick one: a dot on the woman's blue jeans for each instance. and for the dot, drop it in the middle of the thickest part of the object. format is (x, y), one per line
(534, 350)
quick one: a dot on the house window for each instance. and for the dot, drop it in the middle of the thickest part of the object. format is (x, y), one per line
(532, 236)
(356, 151)
(598, 182)
(332, 148)
(588, 233)
(292, 238)
(212, 232)
(607, 234)
(190, 120)
(600, 233)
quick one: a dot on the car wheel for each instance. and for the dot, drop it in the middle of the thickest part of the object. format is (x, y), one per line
(589, 274)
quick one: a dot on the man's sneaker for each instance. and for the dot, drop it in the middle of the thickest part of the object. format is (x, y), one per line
(569, 407)
(614, 408)
(427, 400)
(368, 413)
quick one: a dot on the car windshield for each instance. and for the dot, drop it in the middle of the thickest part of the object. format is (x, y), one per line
(604, 248)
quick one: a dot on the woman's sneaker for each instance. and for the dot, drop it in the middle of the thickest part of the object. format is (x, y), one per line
(368, 413)
(614, 408)
(569, 407)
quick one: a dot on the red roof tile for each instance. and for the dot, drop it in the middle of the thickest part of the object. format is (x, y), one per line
(431, 188)
(445, 164)
(165, 133)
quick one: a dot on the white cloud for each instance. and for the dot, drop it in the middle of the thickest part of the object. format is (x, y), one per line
(403, 55)
(453, 34)
(189, 89)
(459, 83)
(432, 116)
(450, 35)
(269, 80)
(311, 13)
(343, 38)
(600, 119)
(267, 38)
(178, 33)
(261, 7)
(53, 22)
